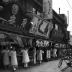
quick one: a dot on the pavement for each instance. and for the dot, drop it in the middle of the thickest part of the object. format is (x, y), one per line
(51, 66)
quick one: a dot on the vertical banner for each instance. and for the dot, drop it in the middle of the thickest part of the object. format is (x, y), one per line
(47, 9)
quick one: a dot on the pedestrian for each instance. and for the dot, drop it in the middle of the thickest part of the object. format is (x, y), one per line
(14, 62)
(34, 55)
(25, 57)
(39, 55)
(48, 54)
(54, 52)
(6, 61)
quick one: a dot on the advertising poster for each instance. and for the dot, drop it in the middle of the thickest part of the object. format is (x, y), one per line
(41, 27)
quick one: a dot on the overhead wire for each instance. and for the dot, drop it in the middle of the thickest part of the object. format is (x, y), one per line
(69, 4)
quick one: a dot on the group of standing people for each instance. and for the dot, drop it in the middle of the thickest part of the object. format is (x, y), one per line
(10, 56)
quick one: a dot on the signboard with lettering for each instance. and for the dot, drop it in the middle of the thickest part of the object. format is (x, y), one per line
(59, 45)
(42, 43)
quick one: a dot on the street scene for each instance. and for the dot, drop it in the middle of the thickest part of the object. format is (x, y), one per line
(51, 66)
(35, 36)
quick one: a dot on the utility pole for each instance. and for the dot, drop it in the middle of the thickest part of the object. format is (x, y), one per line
(68, 17)
(59, 10)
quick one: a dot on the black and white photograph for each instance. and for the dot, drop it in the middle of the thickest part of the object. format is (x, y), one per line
(35, 36)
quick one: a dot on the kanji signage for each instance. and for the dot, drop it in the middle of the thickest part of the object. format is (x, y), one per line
(59, 45)
(42, 43)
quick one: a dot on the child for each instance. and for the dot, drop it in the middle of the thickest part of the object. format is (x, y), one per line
(6, 61)
(25, 56)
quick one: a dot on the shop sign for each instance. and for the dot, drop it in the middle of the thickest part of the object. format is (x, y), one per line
(41, 27)
(59, 45)
(46, 43)
(40, 43)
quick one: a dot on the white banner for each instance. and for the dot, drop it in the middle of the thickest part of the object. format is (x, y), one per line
(47, 9)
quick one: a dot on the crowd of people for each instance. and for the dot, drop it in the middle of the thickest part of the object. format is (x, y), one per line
(12, 57)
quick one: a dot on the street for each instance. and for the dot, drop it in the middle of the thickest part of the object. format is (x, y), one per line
(51, 66)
